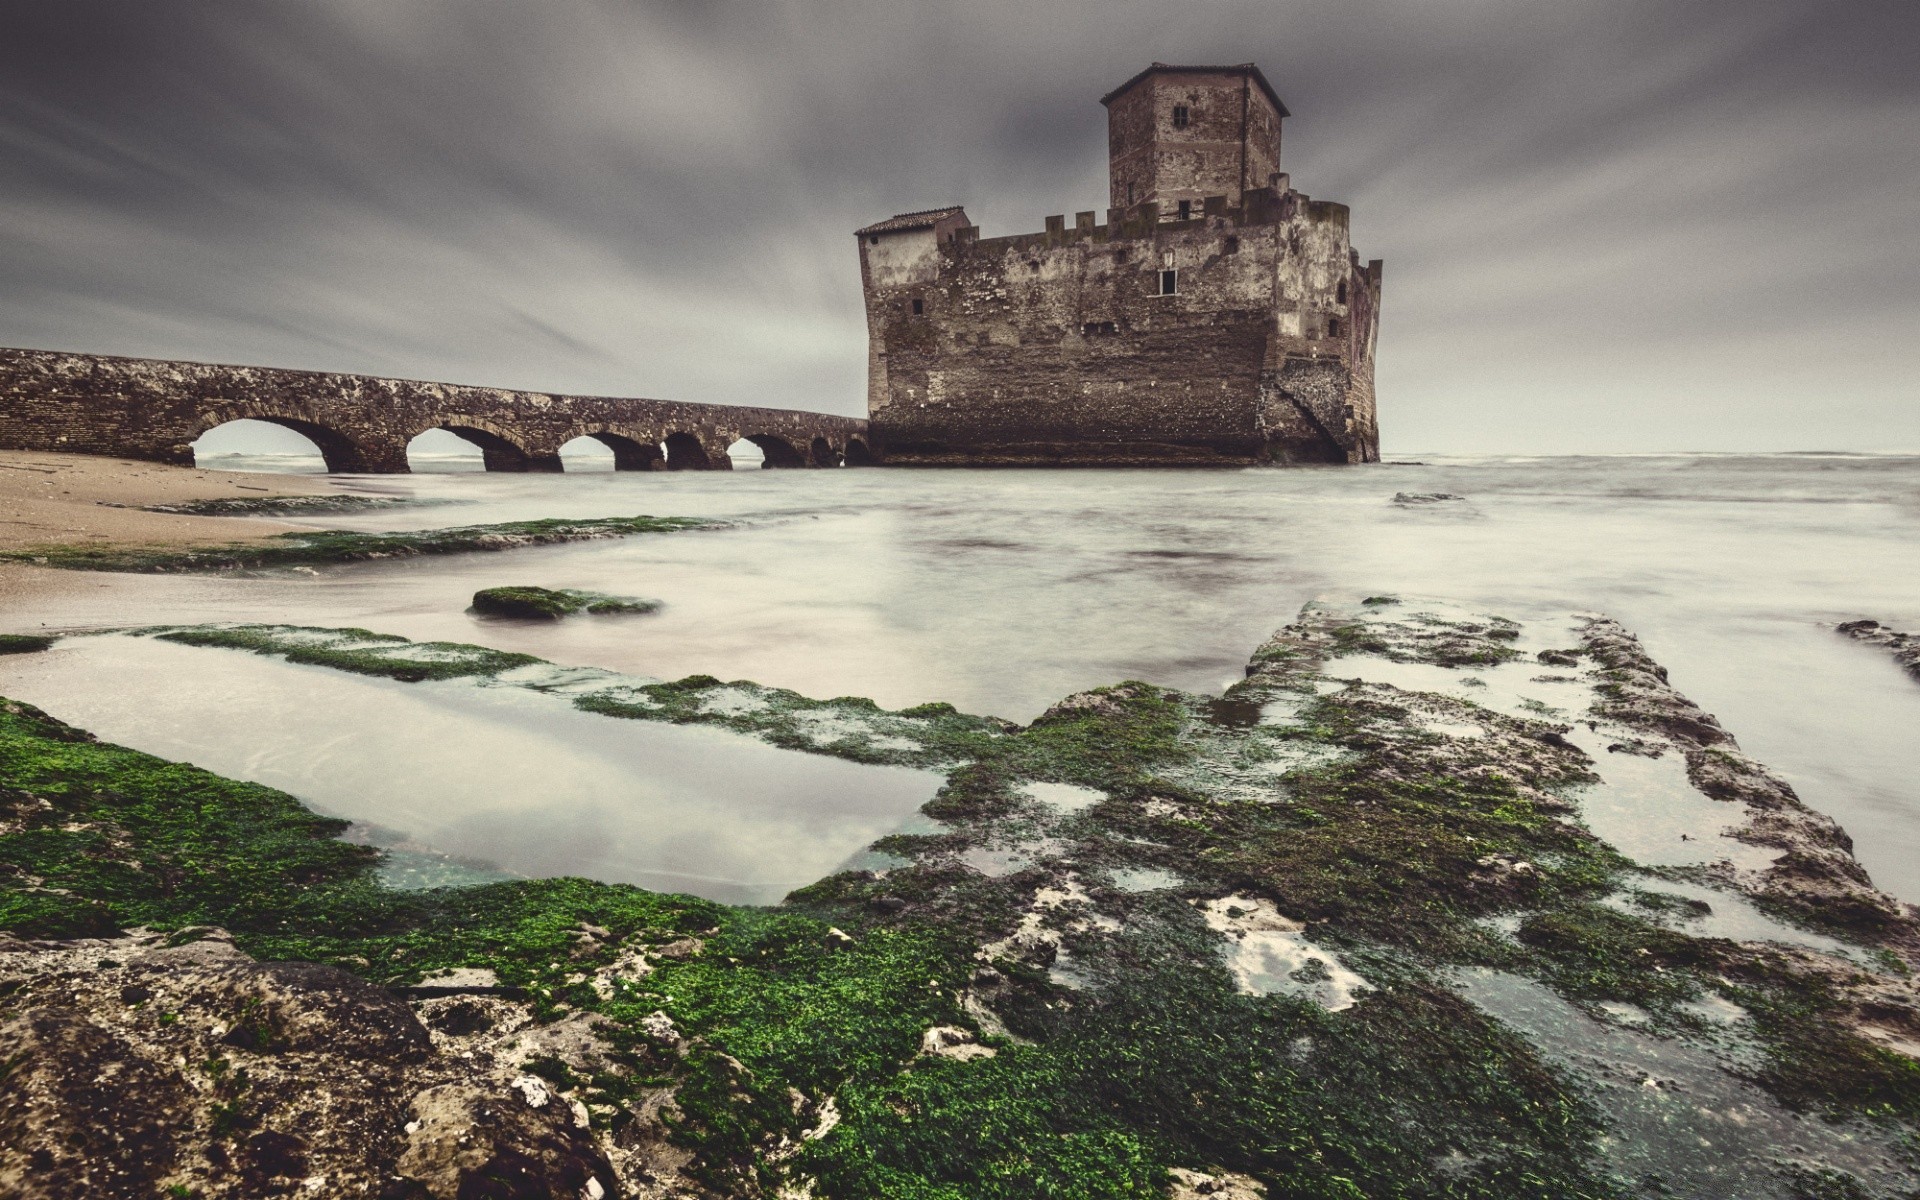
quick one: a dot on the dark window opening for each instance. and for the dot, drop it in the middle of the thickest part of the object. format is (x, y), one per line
(873, 239)
(1341, 294)
(1233, 245)
(1180, 116)
(1186, 210)
(1093, 328)
(1333, 326)
(919, 306)
(1169, 282)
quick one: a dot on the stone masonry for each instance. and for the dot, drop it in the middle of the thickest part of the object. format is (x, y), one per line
(1217, 316)
(153, 409)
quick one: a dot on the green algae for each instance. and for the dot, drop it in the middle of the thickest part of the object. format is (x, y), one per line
(321, 547)
(285, 506)
(550, 604)
(25, 643)
(1389, 841)
(358, 651)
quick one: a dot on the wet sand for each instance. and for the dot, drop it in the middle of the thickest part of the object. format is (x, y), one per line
(66, 499)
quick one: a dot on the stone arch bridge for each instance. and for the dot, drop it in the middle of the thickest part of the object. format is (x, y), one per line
(154, 409)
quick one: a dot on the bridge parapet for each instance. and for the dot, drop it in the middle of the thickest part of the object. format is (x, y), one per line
(155, 409)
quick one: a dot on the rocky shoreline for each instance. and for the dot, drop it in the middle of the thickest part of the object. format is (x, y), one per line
(1433, 903)
(1904, 647)
(304, 548)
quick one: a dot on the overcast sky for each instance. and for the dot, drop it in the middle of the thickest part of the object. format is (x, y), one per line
(1608, 225)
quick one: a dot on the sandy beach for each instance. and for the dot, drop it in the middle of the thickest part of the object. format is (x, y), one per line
(63, 499)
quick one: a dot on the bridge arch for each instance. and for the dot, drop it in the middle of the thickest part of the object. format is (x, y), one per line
(822, 453)
(858, 455)
(686, 453)
(633, 450)
(777, 451)
(341, 453)
(501, 449)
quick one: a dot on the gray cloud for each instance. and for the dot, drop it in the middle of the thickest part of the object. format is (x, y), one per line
(1609, 224)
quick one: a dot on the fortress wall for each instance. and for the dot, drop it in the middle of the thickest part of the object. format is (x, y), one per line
(1027, 345)
(1057, 347)
(154, 409)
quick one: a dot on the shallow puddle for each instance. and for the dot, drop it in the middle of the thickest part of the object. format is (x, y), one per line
(1729, 916)
(1678, 1123)
(1066, 798)
(1648, 810)
(498, 776)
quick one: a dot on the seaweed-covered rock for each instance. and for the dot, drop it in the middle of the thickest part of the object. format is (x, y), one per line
(1431, 903)
(1904, 647)
(550, 604)
(24, 643)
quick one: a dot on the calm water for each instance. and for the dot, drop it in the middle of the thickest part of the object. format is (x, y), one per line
(1002, 591)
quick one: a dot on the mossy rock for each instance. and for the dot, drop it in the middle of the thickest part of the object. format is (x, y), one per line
(550, 604)
(24, 643)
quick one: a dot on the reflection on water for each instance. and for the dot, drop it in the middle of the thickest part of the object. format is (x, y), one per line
(1002, 591)
(498, 775)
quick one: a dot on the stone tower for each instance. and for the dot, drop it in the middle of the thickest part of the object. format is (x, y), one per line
(1176, 135)
(1216, 316)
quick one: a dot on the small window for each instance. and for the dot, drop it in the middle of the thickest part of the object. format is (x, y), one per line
(1341, 295)
(1186, 210)
(1169, 283)
(873, 239)
(1233, 244)
(1129, 192)
(1180, 116)
(1333, 327)
(919, 306)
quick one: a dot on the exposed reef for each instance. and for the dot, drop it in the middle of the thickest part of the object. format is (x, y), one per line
(24, 643)
(1431, 904)
(1905, 647)
(283, 506)
(321, 547)
(550, 604)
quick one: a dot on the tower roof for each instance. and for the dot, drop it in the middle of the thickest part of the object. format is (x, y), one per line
(1248, 69)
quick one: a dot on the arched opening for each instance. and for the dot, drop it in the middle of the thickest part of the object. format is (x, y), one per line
(823, 453)
(441, 449)
(275, 444)
(685, 453)
(857, 453)
(586, 456)
(610, 452)
(249, 445)
(764, 450)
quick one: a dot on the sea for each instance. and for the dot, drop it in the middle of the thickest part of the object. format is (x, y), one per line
(1000, 592)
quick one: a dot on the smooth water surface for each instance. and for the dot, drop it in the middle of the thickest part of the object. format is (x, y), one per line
(501, 775)
(1003, 590)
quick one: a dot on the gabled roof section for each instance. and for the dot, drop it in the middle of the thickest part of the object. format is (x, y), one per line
(924, 219)
(1248, 69)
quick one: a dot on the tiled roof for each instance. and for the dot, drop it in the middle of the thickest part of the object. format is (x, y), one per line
(1248, 69)
(913, 220)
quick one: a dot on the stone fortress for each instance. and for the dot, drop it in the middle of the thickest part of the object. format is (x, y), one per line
(1216, 317)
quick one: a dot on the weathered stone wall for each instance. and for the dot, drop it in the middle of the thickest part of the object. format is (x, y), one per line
(1059, 347)
(154, 409)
